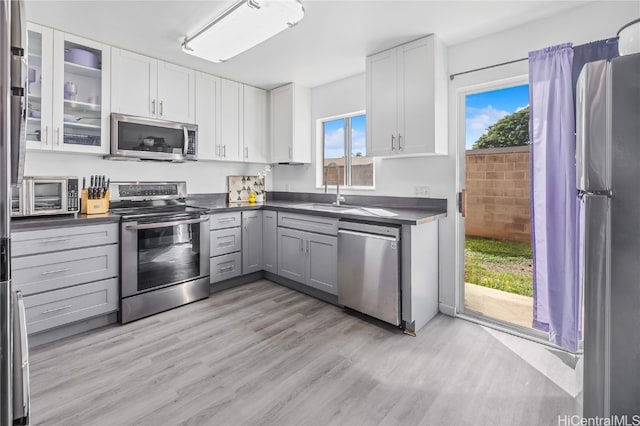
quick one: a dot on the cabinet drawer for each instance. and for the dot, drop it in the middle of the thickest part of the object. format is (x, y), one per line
(225, 267)
(59, 307)
(319, 224)
(225, 241)
(51, 271)
(49, 240)
(225, 220)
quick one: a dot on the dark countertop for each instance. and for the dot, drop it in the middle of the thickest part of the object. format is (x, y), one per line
(28, 223)
(400, 215)
(407, 211)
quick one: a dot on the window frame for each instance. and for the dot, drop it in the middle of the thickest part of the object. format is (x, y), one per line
(320, 136)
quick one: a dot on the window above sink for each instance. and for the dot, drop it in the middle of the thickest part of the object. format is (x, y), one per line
(343, 152)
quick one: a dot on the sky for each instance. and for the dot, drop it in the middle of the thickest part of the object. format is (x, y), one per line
(486, 108)
(334, 144)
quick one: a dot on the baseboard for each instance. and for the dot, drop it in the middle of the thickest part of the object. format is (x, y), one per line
(235, 282)
(69, 330)
(309, 291)
(447, 309)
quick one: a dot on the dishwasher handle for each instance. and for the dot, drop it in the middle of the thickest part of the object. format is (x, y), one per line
(367, 235)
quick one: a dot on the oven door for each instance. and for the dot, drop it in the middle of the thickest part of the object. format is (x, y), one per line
(163, 253)
(46, 196)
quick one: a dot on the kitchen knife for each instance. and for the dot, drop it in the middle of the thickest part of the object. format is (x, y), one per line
(84, 182)
(92, 182)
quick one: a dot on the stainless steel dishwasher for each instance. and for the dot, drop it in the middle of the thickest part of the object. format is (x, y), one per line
(368, 269)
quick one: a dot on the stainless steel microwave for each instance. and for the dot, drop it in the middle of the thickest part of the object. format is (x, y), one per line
(45, 195)
(150, 139)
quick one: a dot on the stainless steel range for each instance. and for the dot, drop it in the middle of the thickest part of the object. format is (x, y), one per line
(164, 249)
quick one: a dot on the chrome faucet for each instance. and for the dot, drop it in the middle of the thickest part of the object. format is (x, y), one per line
(326, 169)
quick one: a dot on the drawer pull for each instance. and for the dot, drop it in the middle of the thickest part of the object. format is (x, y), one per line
(226, 269)
(57, 271)
(231, 219)
(227, 244)
(61, 308)
(57, 240)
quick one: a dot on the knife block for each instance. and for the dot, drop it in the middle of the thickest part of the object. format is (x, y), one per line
(95, 206)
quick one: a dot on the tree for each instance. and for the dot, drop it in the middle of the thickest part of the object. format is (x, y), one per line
(511, 130)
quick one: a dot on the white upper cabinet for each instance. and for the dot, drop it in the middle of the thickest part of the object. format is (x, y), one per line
(255, 148)
(176, 93)
(68, 92)
(134, 81)
(230, 123)
(207, 93)
(407, 100)
(290, 124)
(146, 87)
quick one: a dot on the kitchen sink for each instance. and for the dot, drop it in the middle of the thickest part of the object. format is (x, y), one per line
(363, 211)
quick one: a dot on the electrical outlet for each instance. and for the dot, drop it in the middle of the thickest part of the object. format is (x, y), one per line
(421, 191)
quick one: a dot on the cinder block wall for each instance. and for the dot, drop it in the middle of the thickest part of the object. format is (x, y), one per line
(498, 186)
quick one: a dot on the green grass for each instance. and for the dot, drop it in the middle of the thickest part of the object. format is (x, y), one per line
(502, 265)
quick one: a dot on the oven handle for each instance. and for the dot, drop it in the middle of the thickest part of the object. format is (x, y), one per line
(164, 224)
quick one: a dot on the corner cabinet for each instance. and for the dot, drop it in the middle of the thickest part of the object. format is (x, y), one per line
(290, 109)
(146, 87)
(68, 92)
(270, 241)
(407, 100)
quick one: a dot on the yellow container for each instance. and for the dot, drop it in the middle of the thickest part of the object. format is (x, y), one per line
(94, 206)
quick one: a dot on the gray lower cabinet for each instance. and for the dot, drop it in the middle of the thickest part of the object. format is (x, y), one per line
(51, 271)
(322, 262)
(308, 258)
(270, 241)
(55, 308)
(225, 241)
(291, 254)
(225, 267)
(251, 241)
(66, 274)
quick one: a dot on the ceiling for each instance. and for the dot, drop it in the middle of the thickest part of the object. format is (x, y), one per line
(330, 43)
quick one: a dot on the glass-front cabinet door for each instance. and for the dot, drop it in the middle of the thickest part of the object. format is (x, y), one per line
(81, 94)
(39, 86)
(68, 92)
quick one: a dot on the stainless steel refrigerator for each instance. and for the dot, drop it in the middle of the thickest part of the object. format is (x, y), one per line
(14, 360)
(608, 180)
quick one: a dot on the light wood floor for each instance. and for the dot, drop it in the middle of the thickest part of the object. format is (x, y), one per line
(264, 354)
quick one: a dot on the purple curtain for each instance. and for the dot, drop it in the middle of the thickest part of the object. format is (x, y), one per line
(556, 293)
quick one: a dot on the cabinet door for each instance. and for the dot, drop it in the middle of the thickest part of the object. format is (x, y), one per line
(270, 241)
(282, 124)
(255, 125)
(134, 81)
(416, 97)
(382, 138)
(231, 117)
(207, 92)
(291, 254)
(39, 87)
(251, 241)
(322, 262)
(176, 93)
(81, 94)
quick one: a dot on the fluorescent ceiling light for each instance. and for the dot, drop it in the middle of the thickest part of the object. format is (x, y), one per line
(242, 26)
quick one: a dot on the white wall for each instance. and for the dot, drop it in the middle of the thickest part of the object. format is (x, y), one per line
(201, 176)
(444, 175)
